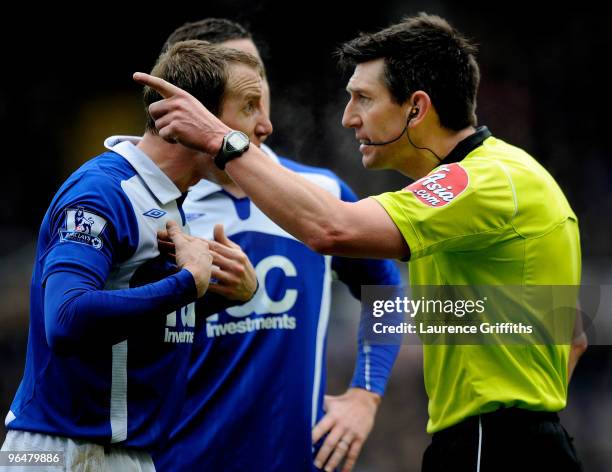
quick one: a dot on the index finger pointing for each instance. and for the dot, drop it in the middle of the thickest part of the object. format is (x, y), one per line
(164, 88)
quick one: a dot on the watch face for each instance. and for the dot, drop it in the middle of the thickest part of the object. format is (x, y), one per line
(237, 140)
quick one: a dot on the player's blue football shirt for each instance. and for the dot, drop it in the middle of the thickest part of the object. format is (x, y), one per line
(257, 372)
(107, 364)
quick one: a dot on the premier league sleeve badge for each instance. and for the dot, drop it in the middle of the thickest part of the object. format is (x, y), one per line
(83, 227)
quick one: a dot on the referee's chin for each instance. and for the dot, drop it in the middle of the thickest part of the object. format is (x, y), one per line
(368, 156)
(370, 160)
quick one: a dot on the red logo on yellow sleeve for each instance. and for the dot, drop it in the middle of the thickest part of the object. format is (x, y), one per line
(440, 187)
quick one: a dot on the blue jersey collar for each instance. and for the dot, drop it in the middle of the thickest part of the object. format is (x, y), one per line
(158, 183)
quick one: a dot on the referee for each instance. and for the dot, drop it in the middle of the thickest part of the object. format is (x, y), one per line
(482, 212)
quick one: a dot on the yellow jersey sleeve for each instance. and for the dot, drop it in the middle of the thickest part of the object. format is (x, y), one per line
(456, 207)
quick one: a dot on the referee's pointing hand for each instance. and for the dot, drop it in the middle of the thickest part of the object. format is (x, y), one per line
(181, 118)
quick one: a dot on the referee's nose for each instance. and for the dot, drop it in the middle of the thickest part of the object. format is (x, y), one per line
(350, 119)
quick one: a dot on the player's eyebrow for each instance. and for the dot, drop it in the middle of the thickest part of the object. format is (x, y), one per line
(253, 94)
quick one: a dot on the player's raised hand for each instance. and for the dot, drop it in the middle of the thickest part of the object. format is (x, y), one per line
(181, 118)
(348, 420)
(192, 254)
(235, 275)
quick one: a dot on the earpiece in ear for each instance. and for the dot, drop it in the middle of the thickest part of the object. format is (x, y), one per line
(414, 112)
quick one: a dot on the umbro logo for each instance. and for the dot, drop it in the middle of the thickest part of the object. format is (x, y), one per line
(154, 213)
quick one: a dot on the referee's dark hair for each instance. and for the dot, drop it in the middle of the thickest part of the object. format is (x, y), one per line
(200, 69)
(424, 52)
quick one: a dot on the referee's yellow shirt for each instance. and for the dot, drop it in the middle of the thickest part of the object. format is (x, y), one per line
(494, 216)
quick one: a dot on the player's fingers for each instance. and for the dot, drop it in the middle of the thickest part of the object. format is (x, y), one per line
(165, 246)
(163, 234)
(179, 239)
(227, 264)
(189, 237)
(172, 228)
(221, 249)
(185, 236)
(219, 234)
(174, 232)
(340, 450)
(223, 277)
(321, 428)
(165, 89)
(353, 454)
(328, 446)
(233, 252)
